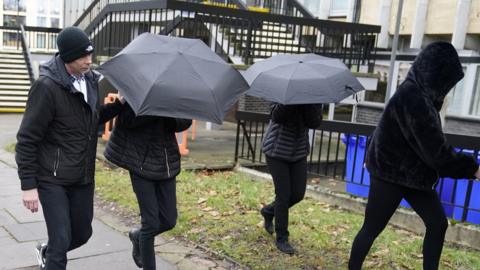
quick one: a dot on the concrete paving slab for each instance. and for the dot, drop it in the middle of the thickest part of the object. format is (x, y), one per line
(6, 242)
(34, 231)
(5, 219)
(17, 256)
(22, 214)
(117, 260)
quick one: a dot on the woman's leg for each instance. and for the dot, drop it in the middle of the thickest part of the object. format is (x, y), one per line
(298, 181)
(428, 207)
(147, 201)
(383, 200)
(167, 204)
(281, 179)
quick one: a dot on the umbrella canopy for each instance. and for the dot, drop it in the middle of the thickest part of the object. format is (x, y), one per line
(301, 79)
(174, 77)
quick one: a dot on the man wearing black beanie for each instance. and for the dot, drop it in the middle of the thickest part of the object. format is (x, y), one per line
(57, 143)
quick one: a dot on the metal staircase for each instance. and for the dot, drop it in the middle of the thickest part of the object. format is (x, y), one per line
(14, 81)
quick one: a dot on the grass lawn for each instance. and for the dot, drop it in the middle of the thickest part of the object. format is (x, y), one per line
(220, 210)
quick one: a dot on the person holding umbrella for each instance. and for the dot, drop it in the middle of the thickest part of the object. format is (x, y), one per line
(297, 85)
(408, 153)
(147, 147)
(286, 148)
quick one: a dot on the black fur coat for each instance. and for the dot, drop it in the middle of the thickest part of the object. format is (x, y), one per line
(408, 146)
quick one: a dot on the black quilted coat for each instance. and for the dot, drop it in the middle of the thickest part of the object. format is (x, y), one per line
(146, 145)
(408, 146)
(286, 138)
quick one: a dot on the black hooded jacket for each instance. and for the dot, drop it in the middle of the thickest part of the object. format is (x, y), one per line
(146, 145)
(57, 139)
(408, 146)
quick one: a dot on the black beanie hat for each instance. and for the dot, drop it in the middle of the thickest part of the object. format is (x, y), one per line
(73, 43)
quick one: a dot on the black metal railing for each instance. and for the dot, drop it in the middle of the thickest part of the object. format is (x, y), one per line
(39, 39)
(337, 157)
(239, 34)
(26, 54)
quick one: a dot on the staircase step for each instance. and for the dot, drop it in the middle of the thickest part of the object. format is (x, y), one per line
(13, 98)
(12, 104)
(14, 76)
(12, 61)
(16, 71)
(14, 87)
(14, 82)
(13, 66)
(11, 56)
(13, 93)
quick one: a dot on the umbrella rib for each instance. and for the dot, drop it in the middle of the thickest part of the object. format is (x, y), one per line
(289, 81)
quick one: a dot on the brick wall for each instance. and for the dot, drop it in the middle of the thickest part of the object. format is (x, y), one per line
(253, 104)
(370, 113)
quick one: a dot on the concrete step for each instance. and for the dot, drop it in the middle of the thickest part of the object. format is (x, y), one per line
(13, 66)
(13, 93)
(14, 87)
(14, 82)
(11, 56)
(12, 61)
(12, 104)
(16, 71)
(14, 76)
(13, 98)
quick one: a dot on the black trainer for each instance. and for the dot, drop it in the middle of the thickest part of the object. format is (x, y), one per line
(267, 221)
(133, 235)
(40, 250)
(285, 247)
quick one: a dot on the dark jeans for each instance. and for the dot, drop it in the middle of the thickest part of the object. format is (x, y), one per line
(290, 181)
(158, 208)
(383, 200)
(68, 212)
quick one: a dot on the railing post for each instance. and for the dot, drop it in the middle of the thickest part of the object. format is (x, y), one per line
(237, 142)
(248, 45)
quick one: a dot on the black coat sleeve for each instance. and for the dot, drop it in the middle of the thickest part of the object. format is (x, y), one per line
(420, 124)
(312, 115)
(109, 111)
(39, 113)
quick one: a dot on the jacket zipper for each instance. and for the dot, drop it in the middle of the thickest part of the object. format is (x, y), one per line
(56, 163)
(166, 162)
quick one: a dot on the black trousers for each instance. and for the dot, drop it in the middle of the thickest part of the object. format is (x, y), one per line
(290, 181)
(383, 200)
(157, 200)
(68, 212)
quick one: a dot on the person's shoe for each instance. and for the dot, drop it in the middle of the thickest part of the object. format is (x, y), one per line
(267, 221)
(40, 250)
(133, 235)
(285, 247)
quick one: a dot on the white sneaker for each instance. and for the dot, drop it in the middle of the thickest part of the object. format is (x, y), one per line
(40, 250)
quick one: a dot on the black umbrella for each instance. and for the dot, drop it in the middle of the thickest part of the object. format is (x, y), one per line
(301, 79)
(175, 77)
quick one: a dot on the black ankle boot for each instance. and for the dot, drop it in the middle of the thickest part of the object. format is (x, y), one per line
(133, 235)
(285, 247)
(267, 221)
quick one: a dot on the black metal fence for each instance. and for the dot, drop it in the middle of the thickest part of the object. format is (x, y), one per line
(238, 35)
(38, 39)
(337, 155)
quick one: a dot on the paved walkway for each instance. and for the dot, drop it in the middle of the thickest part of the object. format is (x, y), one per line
(109, 247)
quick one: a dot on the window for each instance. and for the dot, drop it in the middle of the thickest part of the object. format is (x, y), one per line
(14, 5)
(55, 22)
(12, 20)
(9, 39)
(42, 21)
(55, 6)
(475, 103)
(338, 7)
(41, 40)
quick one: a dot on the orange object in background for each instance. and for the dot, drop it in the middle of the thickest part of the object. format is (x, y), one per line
(182, 137)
